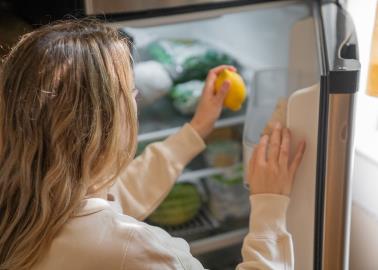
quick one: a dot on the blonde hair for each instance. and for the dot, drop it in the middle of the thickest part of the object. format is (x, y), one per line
(67, 126)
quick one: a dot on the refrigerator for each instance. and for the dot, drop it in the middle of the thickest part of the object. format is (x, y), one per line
(301, 56)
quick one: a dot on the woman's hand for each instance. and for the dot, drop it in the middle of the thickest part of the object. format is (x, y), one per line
(211, 103)
(271, 169)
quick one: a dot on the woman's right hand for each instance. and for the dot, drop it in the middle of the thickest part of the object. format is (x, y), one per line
(211, 103)
(271, 169)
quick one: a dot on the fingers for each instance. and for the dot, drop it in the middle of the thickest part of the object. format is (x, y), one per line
(297, 158)
(212, 75)
(275, 143)
(261, 150)
(222, 93)
(218, 69)
(283, 159)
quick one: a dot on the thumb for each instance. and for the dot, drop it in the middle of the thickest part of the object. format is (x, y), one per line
(222, 93)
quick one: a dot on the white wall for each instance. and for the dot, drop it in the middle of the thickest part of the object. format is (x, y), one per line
(364, 228)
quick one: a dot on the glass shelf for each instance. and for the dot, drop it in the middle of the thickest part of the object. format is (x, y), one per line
(204, 172)
(161, 119)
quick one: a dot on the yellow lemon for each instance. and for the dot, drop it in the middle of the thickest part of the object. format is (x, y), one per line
(237, 93)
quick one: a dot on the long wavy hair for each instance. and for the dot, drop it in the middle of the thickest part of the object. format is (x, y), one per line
(67, 126)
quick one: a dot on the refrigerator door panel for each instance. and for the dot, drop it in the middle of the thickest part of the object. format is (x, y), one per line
(339, 82)
(337, 193)
(303, 54)
(341, 49)
(302, 119)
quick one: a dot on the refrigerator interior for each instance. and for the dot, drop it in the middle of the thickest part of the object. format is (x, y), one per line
(276, 46)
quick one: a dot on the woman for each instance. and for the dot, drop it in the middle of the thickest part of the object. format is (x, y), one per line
(71, 195)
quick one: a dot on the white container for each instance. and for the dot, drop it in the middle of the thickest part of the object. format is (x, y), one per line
(268, 88)
(247, 155)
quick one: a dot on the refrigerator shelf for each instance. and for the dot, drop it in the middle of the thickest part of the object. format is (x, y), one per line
(161, 134)
(197, 228)
(205, 234)
(218, 241)
(203, 173)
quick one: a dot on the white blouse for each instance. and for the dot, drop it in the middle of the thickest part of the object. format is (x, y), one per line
(107, 234)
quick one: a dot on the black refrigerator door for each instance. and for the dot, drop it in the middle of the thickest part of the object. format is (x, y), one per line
(339, 83)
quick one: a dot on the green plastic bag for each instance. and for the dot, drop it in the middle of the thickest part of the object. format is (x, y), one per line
(188, 59)
(185, 96)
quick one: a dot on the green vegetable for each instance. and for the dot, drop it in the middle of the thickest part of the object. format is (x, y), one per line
(181, 205)
(188, 59)
(232, 177)
(197, 67)
(185, 96)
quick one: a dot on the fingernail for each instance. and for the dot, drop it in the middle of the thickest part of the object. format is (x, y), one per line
(278, 125)
(226, 85)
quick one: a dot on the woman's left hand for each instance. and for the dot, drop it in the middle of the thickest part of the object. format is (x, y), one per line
(271, 168)
(211, 103)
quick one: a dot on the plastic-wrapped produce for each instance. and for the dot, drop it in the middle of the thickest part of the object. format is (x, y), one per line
(228, 197)
(223, 153)
(188, 59)
(153, 81)
(185, 96)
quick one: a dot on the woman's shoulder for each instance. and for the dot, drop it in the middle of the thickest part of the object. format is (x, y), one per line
(151, 247)
(96, 237)
(136, 244)
(99, 237)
